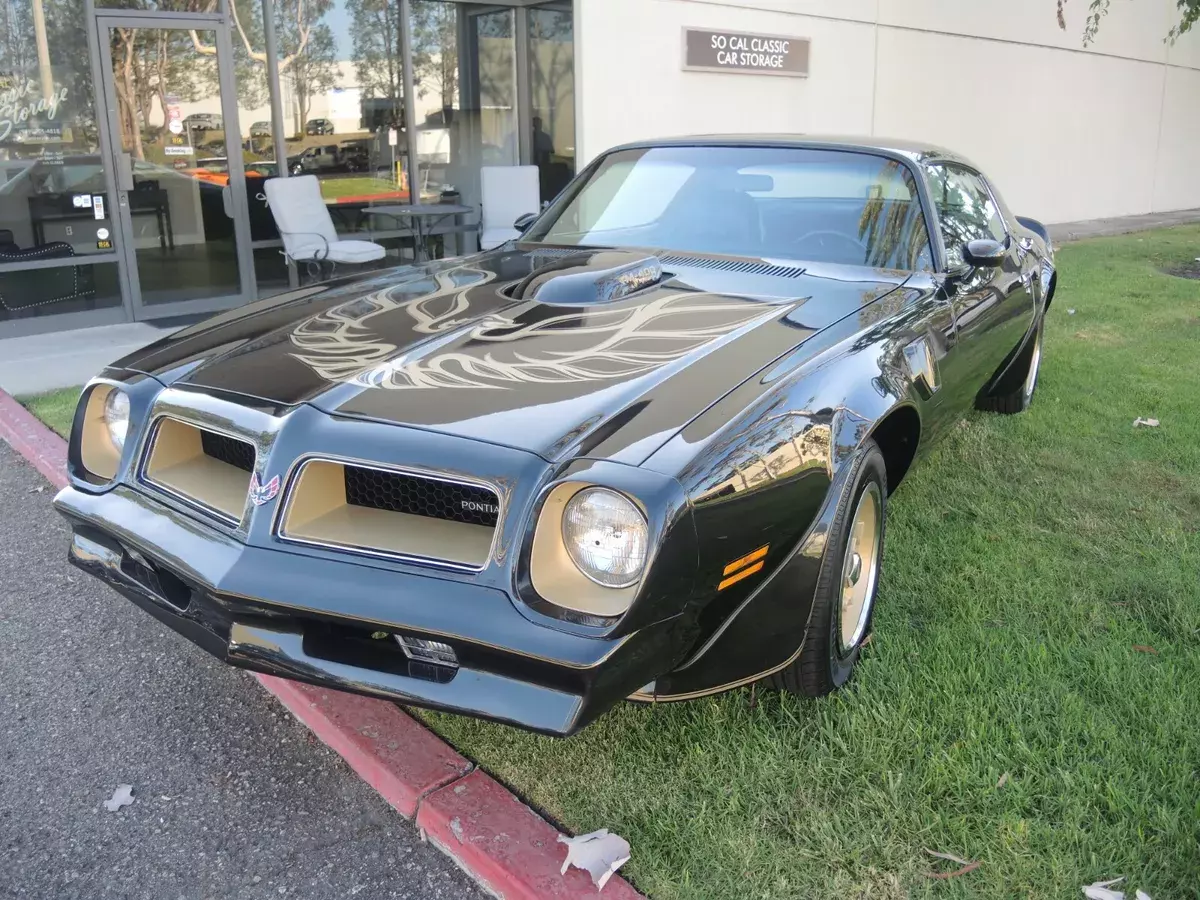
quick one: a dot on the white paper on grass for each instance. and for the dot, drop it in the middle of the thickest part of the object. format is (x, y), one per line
(599, 854)
(1102, 890)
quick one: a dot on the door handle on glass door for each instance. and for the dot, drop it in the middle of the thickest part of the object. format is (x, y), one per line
(125, 172)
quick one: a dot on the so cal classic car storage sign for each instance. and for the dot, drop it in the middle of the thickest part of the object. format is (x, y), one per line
(751, 54)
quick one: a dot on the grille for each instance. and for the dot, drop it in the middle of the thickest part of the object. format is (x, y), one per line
(228, 450)
(199, 467)
(416, 496)
(549, 255)
(744, 267)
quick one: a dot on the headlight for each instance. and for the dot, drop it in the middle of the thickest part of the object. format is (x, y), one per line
(116, 417)
(606, 537)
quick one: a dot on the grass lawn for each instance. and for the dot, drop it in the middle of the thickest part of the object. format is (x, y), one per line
(56, 409)
(1030, 698)
(358, 186)
(1027, 562)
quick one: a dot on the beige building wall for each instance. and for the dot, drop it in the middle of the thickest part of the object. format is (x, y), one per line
(1067, 133)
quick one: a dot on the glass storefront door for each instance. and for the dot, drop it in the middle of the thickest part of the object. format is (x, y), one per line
(180, 221)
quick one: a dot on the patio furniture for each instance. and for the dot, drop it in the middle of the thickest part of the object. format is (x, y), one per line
(24, 291)
(508, 192)
(425, 217)
(306, 226)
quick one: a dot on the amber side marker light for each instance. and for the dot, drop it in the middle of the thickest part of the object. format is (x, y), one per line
(748, 565)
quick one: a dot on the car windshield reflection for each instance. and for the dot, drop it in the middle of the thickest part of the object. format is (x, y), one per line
(829, 206)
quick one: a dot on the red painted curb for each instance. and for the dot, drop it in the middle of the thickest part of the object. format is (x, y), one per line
(26, 434)
(388, 749)
(504, 844)
(489, 832)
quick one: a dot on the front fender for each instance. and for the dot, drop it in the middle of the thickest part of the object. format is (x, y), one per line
(770, 478)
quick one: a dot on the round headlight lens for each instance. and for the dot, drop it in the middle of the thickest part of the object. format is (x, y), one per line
(606, 537)
(116, 417)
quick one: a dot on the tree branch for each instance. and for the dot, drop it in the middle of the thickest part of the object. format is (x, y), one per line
(200, 46)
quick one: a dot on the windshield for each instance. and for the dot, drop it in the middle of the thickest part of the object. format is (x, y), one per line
(831, 206)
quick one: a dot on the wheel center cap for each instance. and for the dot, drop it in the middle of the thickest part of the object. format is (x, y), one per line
(854, 570)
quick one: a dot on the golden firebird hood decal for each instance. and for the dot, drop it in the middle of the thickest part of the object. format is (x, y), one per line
(497, 352)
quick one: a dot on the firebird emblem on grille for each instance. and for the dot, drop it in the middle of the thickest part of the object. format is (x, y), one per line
(263, 493)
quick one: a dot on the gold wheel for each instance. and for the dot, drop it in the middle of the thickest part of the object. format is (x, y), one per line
(860, 569)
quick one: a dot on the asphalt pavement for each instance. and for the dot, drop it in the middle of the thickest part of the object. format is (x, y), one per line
(232, 797)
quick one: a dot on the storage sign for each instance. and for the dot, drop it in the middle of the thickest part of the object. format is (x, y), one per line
(749, 54)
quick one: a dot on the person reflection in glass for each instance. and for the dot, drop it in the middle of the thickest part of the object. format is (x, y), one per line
(543, 145)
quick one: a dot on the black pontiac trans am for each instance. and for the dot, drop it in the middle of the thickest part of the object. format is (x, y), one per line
(643, 451)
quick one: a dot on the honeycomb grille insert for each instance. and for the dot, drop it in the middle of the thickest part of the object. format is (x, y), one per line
(228, 450)
(417, 496)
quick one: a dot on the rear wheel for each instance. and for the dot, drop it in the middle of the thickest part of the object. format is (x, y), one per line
(1017, 396)
(847, 585)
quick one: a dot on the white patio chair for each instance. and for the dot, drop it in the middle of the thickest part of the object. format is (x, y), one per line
(508, 192)
(306, 227)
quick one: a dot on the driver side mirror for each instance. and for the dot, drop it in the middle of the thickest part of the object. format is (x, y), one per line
(523, 222)
(984, 253)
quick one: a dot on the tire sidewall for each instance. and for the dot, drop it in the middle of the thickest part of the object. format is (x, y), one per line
(1037, 351)
(870, 470)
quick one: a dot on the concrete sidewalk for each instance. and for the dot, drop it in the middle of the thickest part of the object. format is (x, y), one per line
(1074, 231)
(62, 359)
(233, 797)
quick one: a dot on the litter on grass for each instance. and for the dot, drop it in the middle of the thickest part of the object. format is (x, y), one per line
(599, 854)
(1102, 890)
(1139, 422)
(965, 865)
(1070, 312)
(122, 796)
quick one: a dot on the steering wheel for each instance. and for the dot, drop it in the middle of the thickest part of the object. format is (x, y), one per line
(825, 245)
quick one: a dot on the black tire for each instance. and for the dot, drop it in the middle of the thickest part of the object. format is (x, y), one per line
(1015, 392)
(827, 662)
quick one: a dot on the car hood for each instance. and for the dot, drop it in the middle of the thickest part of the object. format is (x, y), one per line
(472, 347)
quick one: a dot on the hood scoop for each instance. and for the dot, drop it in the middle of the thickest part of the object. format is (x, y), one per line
(600, 277)
(741, 266)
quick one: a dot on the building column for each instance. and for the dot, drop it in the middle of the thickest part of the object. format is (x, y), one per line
(410, 102)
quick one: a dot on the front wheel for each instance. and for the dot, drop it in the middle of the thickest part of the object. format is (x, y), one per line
(847, 584)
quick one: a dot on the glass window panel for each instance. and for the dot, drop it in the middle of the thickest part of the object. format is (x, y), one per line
(170, 123)
(552, 89)
(192, 6)
(53, 190)
(31, 293)
(343, 95)
(965, 209)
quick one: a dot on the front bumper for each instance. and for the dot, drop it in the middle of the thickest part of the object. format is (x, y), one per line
(311, 619)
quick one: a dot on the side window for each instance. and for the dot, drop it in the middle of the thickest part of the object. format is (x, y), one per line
(965, 208)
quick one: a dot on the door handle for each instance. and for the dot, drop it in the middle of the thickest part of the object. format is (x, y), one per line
(125, 172)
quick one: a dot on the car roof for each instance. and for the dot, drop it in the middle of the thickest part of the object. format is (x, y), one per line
(916, 151)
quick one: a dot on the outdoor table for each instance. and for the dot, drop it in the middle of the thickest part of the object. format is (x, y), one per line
(421, 213)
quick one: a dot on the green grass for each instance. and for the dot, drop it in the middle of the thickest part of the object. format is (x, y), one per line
(356, 186)
(1026, 561)
(56, 408)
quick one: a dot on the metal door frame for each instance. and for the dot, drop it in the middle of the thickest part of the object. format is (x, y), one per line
(109, 128)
